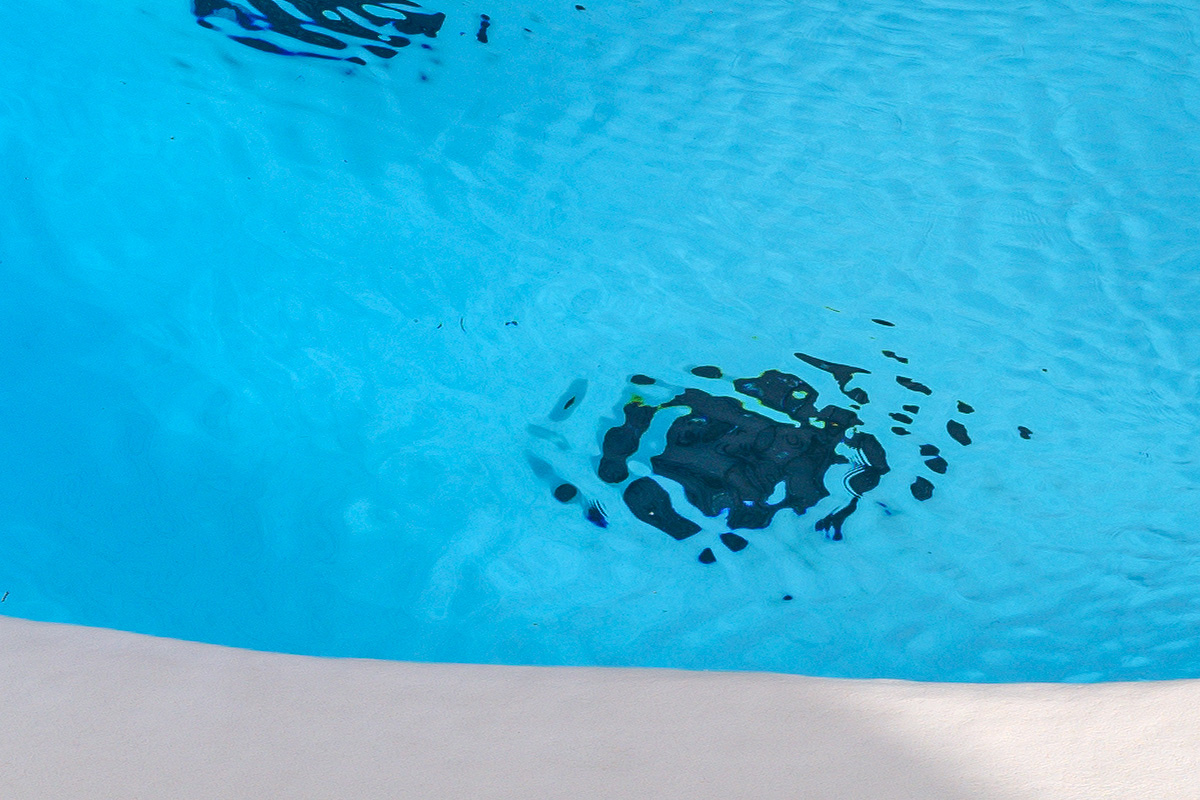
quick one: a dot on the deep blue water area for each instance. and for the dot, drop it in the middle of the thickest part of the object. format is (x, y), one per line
(847, 339)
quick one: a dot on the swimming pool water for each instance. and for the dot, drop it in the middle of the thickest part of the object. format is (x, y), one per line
(297, 352)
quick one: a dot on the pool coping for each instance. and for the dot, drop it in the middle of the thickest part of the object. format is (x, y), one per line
(93, 713)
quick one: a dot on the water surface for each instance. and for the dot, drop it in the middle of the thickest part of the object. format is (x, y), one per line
(287, 339)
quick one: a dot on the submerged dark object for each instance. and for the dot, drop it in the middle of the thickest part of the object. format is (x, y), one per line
(911, 385)
(921, 488)
(734, 461)
(332, 29)
(595, 515)
(734, 542)
(744, 449)
(958, 432)
(650, 503)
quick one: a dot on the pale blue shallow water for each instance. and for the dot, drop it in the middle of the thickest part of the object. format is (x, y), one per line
(258, 386)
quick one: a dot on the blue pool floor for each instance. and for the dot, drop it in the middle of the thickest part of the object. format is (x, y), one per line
(286, 339)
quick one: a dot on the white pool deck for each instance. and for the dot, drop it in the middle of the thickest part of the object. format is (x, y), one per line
(89, 713)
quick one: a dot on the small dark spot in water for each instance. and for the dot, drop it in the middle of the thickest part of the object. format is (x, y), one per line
(900, 431)
(580, 8)
(484, 23)
(641, 380)
(929, 450)
(911, 409)
(913, 386)
(527, 30)
(424, 77)
(596, 516)
(831, 525)
(1025, 432)
(892, 355)
(937, 464)
(706, 371)
(958, 432)
(963, 408)
(733, 541)
(575, 392)
(787, 597)
(706, 555)
(884, 322)
(511, 322)
(842, 373)
(565, 492)
(858, 396)
(650, 503)
(921, 489)
(907, 420)
(622, 441)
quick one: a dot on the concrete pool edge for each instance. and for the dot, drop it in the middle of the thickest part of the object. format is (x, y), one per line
(98, 713)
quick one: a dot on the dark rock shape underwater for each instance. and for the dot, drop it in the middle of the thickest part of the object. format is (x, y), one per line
(732, 460)
(332, 29)
(729, 459)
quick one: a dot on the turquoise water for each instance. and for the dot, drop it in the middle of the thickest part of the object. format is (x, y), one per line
(287, 340)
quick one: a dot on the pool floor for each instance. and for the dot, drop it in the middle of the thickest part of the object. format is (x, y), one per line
(806, 338)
